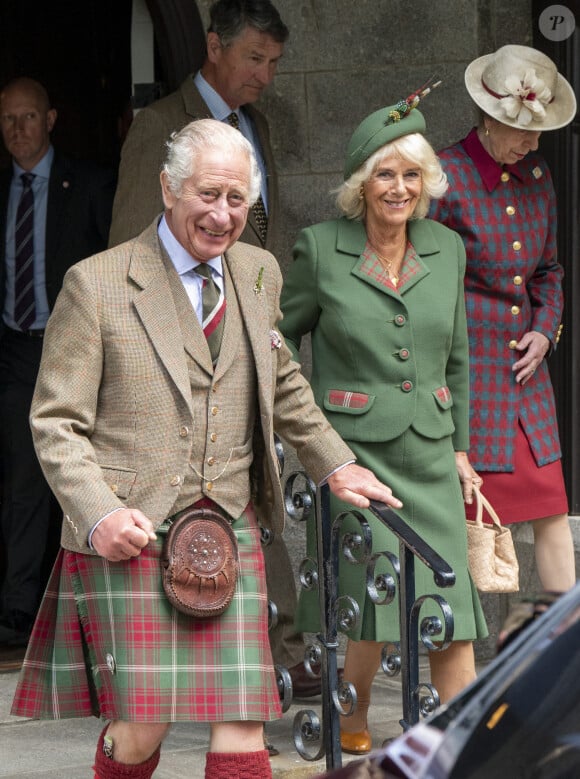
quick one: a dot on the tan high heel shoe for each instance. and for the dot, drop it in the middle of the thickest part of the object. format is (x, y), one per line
(358, 743)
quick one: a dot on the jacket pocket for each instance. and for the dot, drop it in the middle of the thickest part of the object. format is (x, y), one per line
(443, 397)
(347, 402)
(120, 480)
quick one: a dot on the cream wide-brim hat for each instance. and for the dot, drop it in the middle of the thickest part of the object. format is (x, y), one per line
(521, 87)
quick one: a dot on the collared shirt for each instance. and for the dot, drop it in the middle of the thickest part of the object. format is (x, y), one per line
(40, 190)
(220, 110)
(489, 170)
(185, 266)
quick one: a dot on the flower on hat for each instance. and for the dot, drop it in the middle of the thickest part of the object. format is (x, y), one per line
(526, 98)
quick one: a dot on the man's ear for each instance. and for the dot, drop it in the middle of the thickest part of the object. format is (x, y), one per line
(214, 47)
(168, 196)
(51, 119)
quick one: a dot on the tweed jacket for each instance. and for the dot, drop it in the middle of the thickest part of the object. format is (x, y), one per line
(138, 198)
(80, 198)
(382, 360)
(114, 411)
(507, 219)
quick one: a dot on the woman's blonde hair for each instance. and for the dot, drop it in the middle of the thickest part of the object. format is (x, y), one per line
(413, 148)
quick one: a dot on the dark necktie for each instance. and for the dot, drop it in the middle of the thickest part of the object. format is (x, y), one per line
(258, 208)
(214, 309)
(24, 304)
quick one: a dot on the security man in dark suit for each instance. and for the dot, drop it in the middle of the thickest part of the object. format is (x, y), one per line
(54, 211)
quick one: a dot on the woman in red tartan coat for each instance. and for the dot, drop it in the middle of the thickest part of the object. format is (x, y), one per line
(502, 202)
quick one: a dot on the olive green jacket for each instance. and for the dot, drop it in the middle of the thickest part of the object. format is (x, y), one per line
(382, 361)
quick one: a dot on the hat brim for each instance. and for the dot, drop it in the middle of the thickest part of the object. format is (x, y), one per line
(559, 113)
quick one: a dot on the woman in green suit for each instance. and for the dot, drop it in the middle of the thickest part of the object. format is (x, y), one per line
(381, 292)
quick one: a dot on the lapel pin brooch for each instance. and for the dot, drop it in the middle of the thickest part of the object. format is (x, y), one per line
(259, 285)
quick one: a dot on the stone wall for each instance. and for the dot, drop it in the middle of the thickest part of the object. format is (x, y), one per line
(346, 58)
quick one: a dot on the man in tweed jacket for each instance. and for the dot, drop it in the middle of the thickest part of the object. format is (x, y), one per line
(244, 43)
(132, 423)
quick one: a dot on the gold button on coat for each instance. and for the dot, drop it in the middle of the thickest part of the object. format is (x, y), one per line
(214, 410)
(211, 460)
(518, 280)
(209, 486)
(213, 437)
(515, 310)
(510, 210)
(512, 344)
(175, 481)
(517, 245)
(505, 176)
(184, 431)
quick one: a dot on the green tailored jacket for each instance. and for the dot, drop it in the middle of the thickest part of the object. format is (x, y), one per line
(382, 360)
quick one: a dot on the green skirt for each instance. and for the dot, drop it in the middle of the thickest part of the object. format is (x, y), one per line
(422, 473)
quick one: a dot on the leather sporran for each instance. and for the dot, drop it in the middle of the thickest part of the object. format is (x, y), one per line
(492, 558)
(199, 563)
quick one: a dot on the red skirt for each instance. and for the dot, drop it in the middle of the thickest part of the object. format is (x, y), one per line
(529, 492)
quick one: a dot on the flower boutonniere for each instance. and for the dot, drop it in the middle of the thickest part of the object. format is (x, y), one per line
(259, 285)
(275, 339)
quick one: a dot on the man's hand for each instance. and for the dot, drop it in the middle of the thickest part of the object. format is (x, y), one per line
(534, 346)
(359, 486)
(123, 535)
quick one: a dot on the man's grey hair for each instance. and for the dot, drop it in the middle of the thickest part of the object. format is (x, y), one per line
(185, 147)
(229, 18)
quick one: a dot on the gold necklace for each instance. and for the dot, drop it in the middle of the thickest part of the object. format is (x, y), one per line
(388, 264)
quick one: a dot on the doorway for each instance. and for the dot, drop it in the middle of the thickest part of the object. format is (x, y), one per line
(81, 52)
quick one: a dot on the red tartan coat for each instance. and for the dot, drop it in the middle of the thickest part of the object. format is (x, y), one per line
(507, 219)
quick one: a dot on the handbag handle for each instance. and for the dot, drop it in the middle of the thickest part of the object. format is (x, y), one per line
(483, 503)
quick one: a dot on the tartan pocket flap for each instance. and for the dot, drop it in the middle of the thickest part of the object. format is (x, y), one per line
(443, 397)
(348, 402)
(120, 480)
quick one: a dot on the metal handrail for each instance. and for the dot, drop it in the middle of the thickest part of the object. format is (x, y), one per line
(342, 613)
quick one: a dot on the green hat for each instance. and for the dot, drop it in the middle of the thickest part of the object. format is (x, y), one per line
(381, 127)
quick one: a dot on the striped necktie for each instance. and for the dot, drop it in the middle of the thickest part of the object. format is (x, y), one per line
(24, 303)
(213, 308)
(258, 208)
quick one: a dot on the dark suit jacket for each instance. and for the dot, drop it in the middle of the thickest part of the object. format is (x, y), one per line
(138, 199)
(80, 198)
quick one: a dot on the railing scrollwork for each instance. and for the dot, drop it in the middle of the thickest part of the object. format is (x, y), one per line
(389, 580)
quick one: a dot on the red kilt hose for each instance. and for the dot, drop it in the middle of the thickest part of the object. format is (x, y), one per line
(108, 643)
(507, 219)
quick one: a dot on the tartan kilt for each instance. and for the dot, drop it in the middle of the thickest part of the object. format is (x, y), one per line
(107, 643)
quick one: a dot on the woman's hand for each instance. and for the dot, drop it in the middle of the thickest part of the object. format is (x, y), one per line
(467, 476)
(534, 346)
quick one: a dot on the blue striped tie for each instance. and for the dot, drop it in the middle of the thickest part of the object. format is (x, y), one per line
(24, 304)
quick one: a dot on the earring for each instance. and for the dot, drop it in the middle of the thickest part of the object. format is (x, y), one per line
(361, 191)
(486, 132)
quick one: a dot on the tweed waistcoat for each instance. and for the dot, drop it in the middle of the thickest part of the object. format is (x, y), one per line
(225, 410)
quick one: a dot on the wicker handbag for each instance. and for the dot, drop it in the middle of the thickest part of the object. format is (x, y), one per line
(492, 558)
(199, 563)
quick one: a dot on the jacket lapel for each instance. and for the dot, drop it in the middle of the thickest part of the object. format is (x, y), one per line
(60, 188)
(156, 309)
(253, 310)
(351, 239)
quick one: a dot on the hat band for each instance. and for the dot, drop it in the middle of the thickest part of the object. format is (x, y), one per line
(531, 95)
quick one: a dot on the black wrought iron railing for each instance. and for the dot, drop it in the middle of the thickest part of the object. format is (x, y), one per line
(390, 580)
